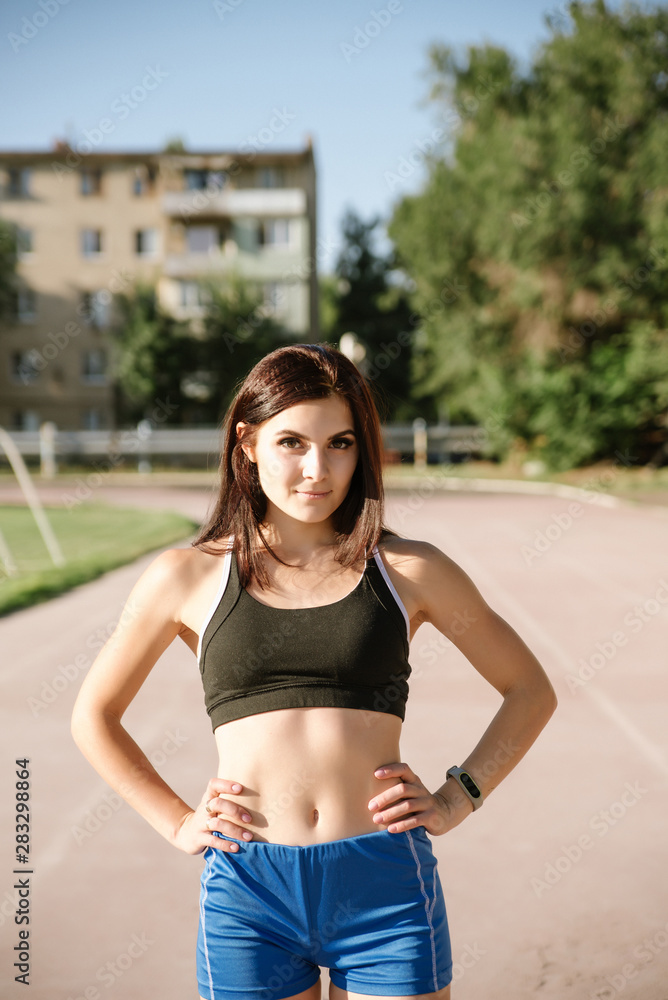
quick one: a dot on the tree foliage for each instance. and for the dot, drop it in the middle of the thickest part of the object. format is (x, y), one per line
(8, 250)
(373, 307)
(197, 363)
(539, 245)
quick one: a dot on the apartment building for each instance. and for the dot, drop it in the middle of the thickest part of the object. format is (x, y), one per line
(90, 225)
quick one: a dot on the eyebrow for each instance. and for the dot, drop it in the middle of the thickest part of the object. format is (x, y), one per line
(305, 438)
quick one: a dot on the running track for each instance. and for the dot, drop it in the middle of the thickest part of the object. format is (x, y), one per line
(557, 888)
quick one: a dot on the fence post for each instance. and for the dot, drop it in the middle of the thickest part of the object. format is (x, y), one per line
(47, 449)
(419, 442)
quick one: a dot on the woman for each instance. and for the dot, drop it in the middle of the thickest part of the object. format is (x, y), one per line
(300, 606)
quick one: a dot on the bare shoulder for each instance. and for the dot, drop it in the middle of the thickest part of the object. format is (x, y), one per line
(414, 559)
(427, 578)
(172, 576)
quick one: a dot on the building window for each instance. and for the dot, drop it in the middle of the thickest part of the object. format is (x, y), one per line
(25, 420)
(94, 367)
(146, 242)
(200, 180)
(24, 241)
(92, 419)
(91, 181)
(270, 177)
(192, 295)
(203, 239)
(24, 367)
(143, 181)
(275, 232)
(19, 182)
(273, 296)
(91, 242)
(95, 308)
(26, 304)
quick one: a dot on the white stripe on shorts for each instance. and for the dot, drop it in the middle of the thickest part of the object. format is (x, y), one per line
(429, 909)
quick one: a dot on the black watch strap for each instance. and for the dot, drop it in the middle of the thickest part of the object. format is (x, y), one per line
(467, 785)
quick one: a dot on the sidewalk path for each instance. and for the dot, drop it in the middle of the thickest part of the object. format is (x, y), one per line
(555, 889)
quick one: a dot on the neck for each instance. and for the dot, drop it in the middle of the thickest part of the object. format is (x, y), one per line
(292, 539)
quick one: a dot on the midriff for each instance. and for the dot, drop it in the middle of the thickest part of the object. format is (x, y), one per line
(308, 773)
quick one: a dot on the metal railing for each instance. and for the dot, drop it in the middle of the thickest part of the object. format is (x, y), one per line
(413, 442)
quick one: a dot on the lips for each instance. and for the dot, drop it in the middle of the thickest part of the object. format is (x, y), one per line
(307, 493)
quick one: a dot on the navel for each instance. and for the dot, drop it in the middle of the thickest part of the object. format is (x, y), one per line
(316, 816)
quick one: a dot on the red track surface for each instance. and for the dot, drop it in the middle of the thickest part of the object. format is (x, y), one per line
(557, 888)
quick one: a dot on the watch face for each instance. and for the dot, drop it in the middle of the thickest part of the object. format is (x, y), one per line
(470, 785)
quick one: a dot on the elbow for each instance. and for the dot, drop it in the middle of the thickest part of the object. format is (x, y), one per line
(78, 725)
(82, 724)
(548, 700)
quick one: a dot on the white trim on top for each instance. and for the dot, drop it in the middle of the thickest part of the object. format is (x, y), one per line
(227, 562)
(381, 566)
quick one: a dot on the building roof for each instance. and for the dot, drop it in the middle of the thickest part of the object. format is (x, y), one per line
(61, 151)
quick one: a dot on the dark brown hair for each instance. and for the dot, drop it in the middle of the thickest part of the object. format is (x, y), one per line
(287, 376)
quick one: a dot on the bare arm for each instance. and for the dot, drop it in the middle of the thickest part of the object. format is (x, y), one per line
(148, 625)
(449, 599)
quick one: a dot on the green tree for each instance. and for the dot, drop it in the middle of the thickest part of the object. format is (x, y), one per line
(152, 353)
(376, 309)
(7, 269)
(195, 364)
(237, 331)
(541, 238)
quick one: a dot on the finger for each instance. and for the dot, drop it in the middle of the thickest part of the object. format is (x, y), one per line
(225, 786)
(401, 790)
(398, 811)
(222, 807)
(229, 846)
(396, 770)
(230, 829)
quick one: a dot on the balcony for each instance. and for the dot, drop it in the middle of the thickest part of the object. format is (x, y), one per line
(246, 201)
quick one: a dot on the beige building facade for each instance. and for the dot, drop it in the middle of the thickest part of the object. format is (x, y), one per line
(91, 225)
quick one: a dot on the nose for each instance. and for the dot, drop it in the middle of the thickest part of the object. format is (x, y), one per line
(315, 464)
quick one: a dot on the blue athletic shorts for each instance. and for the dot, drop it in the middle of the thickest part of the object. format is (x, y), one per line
(369, 908)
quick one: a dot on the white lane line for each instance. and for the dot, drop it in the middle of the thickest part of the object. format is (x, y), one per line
(530, 626)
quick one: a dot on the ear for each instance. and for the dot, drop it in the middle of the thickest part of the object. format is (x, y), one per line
(247, 449)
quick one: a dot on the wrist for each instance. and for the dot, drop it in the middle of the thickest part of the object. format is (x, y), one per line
(457, 804)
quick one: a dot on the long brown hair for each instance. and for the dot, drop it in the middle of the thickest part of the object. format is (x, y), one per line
(287, 376)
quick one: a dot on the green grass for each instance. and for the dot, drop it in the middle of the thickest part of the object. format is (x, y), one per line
(94, 538)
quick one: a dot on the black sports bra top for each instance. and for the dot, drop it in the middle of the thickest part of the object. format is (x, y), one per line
(350, 654)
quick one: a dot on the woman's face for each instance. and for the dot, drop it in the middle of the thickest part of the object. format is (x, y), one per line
(306, 456)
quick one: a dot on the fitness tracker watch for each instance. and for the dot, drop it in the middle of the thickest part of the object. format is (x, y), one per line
(467, 785)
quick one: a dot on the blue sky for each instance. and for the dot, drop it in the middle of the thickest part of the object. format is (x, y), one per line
(222, 72)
